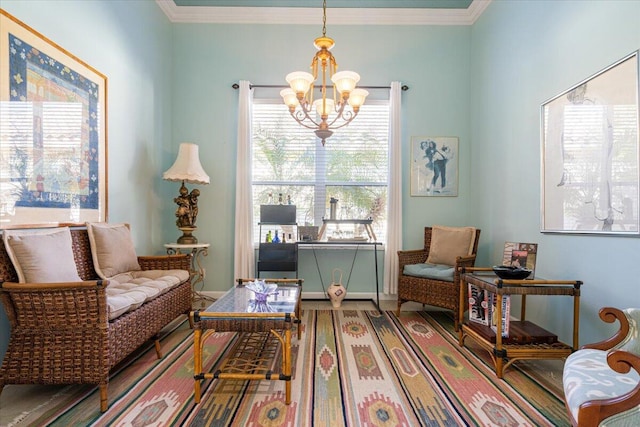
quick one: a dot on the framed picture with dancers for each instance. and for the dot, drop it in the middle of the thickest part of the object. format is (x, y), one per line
(434, 166)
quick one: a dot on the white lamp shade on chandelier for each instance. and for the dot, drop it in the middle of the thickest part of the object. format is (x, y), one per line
(187, 166)
(324, 106)
(345, 81)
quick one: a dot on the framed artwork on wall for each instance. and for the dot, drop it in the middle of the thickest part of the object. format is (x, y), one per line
(434, 166)
(53, 139)
(590, 171)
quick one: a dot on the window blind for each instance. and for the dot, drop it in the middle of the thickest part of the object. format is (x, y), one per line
(290, 165)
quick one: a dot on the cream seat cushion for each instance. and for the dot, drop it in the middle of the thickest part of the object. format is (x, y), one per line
(42, 256)
(128, 291)
(112, 249)
(115, 259)
(448, 243)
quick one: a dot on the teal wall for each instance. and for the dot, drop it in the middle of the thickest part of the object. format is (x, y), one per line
(524, 53)
(130, 42)
(170, 83)
(433, 61)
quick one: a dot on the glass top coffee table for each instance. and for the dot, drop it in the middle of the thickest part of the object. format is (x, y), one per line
(264, 334)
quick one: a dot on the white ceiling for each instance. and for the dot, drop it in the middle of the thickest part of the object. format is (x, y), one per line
(350, 12)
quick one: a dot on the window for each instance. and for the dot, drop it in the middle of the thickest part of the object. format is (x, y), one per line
(290, 164)
(42, 161)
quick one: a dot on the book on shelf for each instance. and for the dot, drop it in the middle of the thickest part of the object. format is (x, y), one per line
(520, 333)
(506, 313)
(478, 305)
(521, 255)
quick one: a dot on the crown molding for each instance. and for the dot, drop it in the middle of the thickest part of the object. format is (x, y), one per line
(337, 16)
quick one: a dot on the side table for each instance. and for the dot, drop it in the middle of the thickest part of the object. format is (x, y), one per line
(196, 251)
(502, 351)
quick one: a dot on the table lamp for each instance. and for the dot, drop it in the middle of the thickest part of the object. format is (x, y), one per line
(187, 168)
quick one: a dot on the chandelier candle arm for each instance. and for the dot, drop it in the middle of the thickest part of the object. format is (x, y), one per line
(299, 97)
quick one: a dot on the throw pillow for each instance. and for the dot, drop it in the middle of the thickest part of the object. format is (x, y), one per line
(448, 243)
(42, 256)
(112, 249)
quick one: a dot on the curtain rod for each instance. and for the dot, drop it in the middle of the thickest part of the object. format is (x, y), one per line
(236, 86)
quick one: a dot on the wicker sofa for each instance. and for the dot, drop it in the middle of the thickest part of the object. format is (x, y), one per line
(65, 333)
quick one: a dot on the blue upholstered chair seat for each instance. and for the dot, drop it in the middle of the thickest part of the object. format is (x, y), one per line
(587, 376)
(430, 271)
(591, 378)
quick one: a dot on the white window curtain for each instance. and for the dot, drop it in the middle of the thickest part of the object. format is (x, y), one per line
(244, 255)
(394, 210)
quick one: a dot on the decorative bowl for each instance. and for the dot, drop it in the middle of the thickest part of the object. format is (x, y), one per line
(509, 272)
(262, 290)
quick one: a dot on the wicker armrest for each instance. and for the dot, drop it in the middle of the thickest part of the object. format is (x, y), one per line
(165, 262)
(465, 261)
(610, 315)
(462, 262)
(416, 256)
(30, 287)
(55, 305)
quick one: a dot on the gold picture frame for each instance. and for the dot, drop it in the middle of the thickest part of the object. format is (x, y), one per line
(53, 132)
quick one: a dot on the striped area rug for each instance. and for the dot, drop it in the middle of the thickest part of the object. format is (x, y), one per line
(352, 368)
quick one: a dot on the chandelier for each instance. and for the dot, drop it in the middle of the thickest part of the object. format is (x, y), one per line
(332, 111)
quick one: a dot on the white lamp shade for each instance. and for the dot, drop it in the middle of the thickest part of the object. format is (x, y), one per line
(345, 81)
(357, 97)
(329, 106)
(289, 97)
(187, 166)
(300, 81)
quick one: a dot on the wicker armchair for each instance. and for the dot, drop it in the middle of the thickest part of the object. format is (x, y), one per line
(438, 293)
(602, 380)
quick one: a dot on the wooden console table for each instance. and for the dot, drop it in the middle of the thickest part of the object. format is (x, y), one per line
(504, 353)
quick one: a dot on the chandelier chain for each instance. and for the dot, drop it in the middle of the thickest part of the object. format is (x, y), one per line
(324, 18)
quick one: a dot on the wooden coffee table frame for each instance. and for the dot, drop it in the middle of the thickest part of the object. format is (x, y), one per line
(262, 338)
(503, 354)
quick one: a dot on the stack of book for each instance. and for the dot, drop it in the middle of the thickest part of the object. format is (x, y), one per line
(482, 309)
(482, 319)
